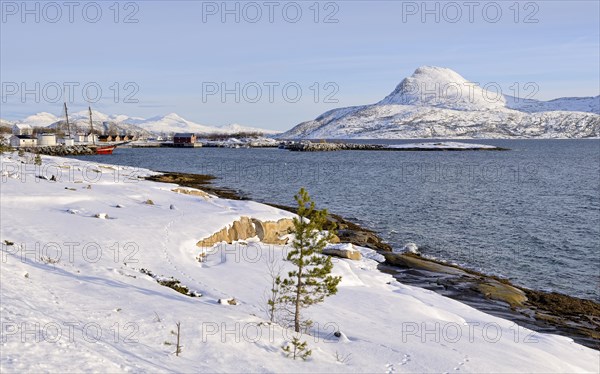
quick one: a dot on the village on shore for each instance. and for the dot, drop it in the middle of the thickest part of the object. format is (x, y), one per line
(56, 143)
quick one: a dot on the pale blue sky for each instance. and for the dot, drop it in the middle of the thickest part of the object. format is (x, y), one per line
(170, 53)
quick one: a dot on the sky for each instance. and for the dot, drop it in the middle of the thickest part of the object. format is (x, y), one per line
(275, 64)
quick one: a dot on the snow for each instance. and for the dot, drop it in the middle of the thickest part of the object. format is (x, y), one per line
(92, 310)
(439, 103)
(409, 248)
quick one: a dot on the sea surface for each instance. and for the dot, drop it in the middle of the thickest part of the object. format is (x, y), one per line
(531, 214)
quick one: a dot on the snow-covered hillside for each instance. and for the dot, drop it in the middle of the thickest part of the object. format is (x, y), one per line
(572, 104)
(439, 103)
(41, 119)
(170, 123)
(174, 123)
(74, 299)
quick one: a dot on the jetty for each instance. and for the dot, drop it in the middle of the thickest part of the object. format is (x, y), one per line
(307, 146)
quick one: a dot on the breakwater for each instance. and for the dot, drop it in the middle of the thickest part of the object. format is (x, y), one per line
(327, 147)
(63, 150)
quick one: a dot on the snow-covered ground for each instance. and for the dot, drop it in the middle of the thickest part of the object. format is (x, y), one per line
(91, 309)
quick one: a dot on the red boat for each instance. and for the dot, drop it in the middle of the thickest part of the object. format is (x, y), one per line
(105, 150)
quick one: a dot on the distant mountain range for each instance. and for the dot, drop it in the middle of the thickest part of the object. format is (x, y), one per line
(439, 103)
(132, 125)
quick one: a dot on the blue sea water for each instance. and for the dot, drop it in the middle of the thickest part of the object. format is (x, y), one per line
(531, 214)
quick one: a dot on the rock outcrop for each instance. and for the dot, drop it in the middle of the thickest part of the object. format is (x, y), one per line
(268, 232)
(191, 191)
(343, 250)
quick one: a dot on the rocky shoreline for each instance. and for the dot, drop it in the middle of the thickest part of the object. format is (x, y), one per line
(540, 311)
(307, 146)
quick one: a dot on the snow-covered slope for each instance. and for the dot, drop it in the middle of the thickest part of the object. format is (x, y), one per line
(439, 103)
(74, 299)
(172, 123)
(41, 119)
(442, 88)
(572, 104)
(106, 126)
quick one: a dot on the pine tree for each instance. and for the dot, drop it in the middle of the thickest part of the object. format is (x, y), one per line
(310, 281)
(297, 348)
(38, 159)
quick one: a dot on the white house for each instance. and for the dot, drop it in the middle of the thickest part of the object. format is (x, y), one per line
(46, 139)
(86, 138)
(22, 129)
(66, 141)
(22, 141)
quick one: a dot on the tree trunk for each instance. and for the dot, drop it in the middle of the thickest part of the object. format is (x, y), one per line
(299, 289)
(297, 313)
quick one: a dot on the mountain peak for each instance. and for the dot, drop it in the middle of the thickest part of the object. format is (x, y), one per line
(440, 73)
(443, 88)
(174, 116)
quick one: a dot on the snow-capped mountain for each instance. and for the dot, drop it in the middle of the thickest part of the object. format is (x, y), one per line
(233, 128)
(41, 119)
(439, 103)
(170, 123)
(174, 123)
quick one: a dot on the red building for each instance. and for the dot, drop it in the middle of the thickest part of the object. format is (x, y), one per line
(184, 139)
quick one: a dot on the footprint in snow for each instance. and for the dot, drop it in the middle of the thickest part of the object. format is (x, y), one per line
(405, 360)
(466, 359)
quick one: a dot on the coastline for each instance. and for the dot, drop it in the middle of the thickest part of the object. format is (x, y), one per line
(161, 277)
(546, 312)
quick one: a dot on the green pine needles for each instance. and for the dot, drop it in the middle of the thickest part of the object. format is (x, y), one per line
(297, 348)
(311, 280)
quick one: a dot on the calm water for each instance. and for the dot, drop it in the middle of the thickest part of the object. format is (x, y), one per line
(531, 214)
